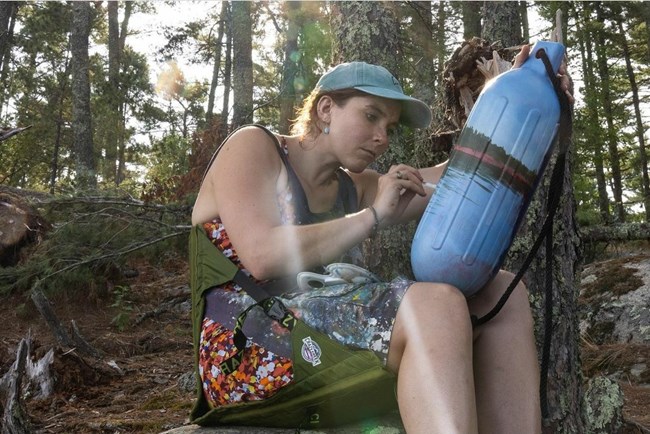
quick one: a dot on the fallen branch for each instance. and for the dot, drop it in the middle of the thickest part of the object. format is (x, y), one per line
(617, 232)
(164, 307)
(75, 341)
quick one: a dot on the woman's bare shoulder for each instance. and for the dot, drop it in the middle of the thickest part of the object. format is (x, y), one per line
(247, 161)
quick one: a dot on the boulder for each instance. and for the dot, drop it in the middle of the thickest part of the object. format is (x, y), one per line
(615, 301)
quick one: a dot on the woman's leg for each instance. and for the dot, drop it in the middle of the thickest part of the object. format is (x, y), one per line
(506, 369)
(431, 351)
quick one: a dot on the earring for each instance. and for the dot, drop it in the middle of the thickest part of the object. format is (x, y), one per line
(326, 130)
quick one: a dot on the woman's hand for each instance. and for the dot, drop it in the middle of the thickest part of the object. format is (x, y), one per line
(566, 84)
(395, 190)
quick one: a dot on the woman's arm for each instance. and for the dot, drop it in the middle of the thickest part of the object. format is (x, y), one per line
(242, 185)
(413, 196)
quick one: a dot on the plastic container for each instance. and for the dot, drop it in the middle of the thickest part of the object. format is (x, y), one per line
(481, 198)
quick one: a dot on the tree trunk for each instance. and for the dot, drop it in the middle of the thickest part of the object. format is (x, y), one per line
(217, 62)
(227, 73)
(501, 23)
(564, 380)
(242, 63)
(54, 161)
(523, 14)
(8, 11)
(81, 114)
(471, 19)
(290, 66)
(594, 133)
(640, 129)
(425, 84)
(369, 32)
(121, 107)
(606, 103)
(440, 42)
(109, 171)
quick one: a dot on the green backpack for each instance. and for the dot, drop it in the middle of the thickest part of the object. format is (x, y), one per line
(332, 385)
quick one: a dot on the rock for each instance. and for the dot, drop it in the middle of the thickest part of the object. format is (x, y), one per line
(616, 301)
(390, 424)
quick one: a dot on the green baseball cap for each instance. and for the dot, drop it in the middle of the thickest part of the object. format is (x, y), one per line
(378, 81)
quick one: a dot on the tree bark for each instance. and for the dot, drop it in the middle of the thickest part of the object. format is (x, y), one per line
(81, 111)
(14, 418)
(501, 23)
(242, 63)
(617, 232)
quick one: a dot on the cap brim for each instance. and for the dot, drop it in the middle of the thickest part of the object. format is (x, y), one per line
(415, 113)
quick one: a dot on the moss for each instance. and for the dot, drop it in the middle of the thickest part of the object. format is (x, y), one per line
(613, 276)
(166, 401)
(602, 406)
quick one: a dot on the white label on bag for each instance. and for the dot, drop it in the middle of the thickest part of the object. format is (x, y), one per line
(310, 351)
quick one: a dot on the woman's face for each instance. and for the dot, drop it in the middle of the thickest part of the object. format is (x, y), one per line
(361, 129)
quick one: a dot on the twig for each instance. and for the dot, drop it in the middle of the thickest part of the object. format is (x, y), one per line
(116, 254)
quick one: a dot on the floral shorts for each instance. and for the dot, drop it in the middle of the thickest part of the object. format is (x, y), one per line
(356, 315)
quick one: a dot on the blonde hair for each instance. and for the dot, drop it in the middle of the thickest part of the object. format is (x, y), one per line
(306, 123)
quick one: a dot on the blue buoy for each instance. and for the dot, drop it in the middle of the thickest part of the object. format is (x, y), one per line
(493, 170)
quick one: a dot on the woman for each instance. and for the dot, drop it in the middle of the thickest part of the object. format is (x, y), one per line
(278, 205)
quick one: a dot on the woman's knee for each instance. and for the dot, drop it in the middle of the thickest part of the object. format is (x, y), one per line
(428, 306)
(443, 298)
(429, 315)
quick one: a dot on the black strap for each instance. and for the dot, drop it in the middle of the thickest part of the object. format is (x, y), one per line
(546, 233)
(272, 306)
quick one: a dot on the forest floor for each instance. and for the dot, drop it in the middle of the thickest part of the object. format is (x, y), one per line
(148, 391)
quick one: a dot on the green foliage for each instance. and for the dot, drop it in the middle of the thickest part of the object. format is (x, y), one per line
(123, 305)
(36, 88)
(92, 242)
(168, 157)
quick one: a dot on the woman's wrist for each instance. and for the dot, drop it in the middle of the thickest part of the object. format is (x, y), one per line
(376, 221)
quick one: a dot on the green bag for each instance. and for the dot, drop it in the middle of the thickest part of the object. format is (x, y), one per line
(332, 385)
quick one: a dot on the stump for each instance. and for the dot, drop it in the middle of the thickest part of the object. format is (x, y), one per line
(20, 225)
(464, 75)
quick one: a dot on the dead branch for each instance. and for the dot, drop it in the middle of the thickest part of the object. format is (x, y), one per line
(164, 307)
(617, 232)
(75, 341)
